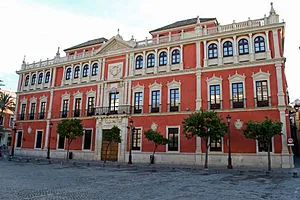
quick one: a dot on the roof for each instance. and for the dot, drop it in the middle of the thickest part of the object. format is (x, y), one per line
(183, 23)
(88, 43)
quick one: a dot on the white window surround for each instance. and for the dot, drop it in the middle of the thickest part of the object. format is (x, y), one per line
(222, 46)
(171, 53)
(65, 96)
(32, 100)
(237, 78)
(3, 121)
(83, 138)
(57, 142)
(167, 136)
(265, 152)
(89, 94)
(138, 88)
(89, 70)
(174, 85)
(43, 99)
(222, 147)
(214, 80)
(261, 76)
(10, 119)
(237, 45)
(153, 87)
(36, 138)
(16, 140)
(23, 101)
(227, 40)
(207, 49)
(141, 139)
(77, 95)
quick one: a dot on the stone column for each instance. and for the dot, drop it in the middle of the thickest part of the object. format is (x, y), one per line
(131, 64)
(53, 76)
(144, 62)
(220, 57)
(197, 54)
(156, 62)
(102, 69)
(235, 53)
(126, 65)
(251, 47)
(276, 43)
(181, 53)
(168, 60)
(198, 90)
(280, 94)
(267, 45)
(205, 53)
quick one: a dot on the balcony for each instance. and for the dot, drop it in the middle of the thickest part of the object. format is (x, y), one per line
(31, 116)
(137, 109)
(174, 107)
(42, 115)
(154, 108)
(21, 116)
(90, 112)
(64, 114)
(214, 105)
(76, 113)
(237, 103)
(262, 102)
(117, 110)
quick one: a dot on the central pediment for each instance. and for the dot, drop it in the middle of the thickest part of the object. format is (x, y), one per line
(115, 44)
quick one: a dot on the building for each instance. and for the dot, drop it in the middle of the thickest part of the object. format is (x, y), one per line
(235, 69)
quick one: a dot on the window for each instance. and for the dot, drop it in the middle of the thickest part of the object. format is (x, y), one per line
(76, 72)
(85, 71)
(237, 95)
(87, 140)
(19, 139)
(22, 114)
(215, 97)
(243, 46)
(68, 74)
(138, 102)
(175, 56)
(40, 80)
(227, 49)
(163, 58)
(263, 146)
(33, 79)
(26, 80)
(139, 62)
(61, 142)
(216, 144)
(91, 106)
(11, 121)
(150, 60)
(32, 111)
(136, 139)
(95, 69)
(38, 139)
(155, 101)
(47, 77)
(173, 138)
(259, 44)
(212, 51)
(77, 107)
(113, 103)
(42, 110)
(65, 107)
(1, 121)
(174, 100)
(262, 96)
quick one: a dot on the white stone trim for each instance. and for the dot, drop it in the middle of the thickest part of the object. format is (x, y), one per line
(65, 96)
(276, 44)
(280, 94)
(141, 139)
(174, 85)
(167, 136)
(83, 138)
(35, 140)
(261, 76)
(237, 78)
(16, 140)
(77, 95)
(57, 142)
(222, 147)
(265, 152)
(214, 80)
(153, 87)
(90, 93)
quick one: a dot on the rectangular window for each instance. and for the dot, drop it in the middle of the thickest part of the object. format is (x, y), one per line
(173, 138)
(262, 96)
(138, 102)
(22, 114)
(61, 142)
(91, 106)
(65, 107)
(87, 143)
(155, 101)
(113, 103)
(77, 107)
(11, 121)
(262, 146)
(174, 100)
(32, 111)
(136, 140)
(1, 121)
(42, 110)
(237, 95)
(19, 139)
(215, 144)
(38, 139)
(215, 97)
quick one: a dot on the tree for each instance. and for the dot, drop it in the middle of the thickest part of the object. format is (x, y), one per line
(6, 103)
(157, 139)
(205, 124)
(263, 132)
(112, 136)
(70, 129)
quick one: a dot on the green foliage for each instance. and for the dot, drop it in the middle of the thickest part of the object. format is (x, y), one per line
(70, 128)
(155, 137)
(113, 135)
(204, 124)
(6, 102)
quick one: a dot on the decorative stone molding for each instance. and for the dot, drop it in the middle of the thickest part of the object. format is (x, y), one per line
(214, 80)
(154, 126)
(33, 100)
(138, 88)
(236, 78)
(77, 94)
(91, 93)
(115, 71)
(43, 98)
(174, 84)
(23, 101)
(238, 124)
(65, 96)
(155, 86)
(260, 75)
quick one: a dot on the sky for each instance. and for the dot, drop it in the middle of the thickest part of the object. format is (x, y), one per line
(36, 28)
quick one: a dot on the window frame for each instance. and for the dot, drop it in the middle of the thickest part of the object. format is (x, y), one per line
(265, 152)
(212, 50)
(262, 76)
(139, 62)
(58, 142)
(221, 150)
(243, 46)
(95, 69)
(33, 79)
(85, 71)
(40, 79)
(35, 141)
(259, 45)
(17, 139)
(175, 56)
(138, 105)
(150, 60)
(236, 104)
(135, 141)
(76, 72)
(116, 102)
(178, 141)
(228, 48)
(47, 77)
(83, 140)
(26, 81)
(163, 58)
(68, 73)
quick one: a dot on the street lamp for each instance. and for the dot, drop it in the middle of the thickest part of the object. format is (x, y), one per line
(49, 137)
(229, 166)
(14, 138)
(131, 142)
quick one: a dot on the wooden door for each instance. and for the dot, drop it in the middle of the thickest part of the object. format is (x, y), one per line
(112, 152)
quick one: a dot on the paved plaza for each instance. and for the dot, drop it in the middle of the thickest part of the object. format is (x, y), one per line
(22, 180)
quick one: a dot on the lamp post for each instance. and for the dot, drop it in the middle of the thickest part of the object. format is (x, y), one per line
(131, 137)
(14, 138)
(49, 137)
(229, 166)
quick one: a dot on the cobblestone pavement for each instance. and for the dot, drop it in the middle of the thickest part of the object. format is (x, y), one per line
(43, 181)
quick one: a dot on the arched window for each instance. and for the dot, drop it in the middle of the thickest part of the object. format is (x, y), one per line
(68, 73)
(33, 79)
(175, 56)
(139, 62)
(26, 80)
(163, 58)
(40, 80)
(150, 60)
(243, 46)
(85, 71)
(76, 72)
(259, 44)
(95, 69)
(227, 49)
(47, 77)
(212, 51)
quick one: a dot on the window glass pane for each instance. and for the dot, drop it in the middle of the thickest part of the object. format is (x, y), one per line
(87, 139)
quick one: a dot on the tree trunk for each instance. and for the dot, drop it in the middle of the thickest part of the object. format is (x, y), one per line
(269, 157)
(106, 152)
(152, 160)
(206, 153)
(68, 150)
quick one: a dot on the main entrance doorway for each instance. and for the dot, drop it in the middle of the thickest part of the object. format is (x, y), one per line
(112, 152)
